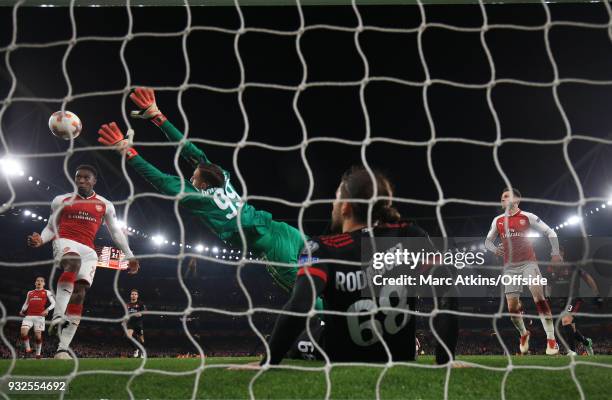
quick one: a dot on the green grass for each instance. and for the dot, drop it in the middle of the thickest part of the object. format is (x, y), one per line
(399, 382)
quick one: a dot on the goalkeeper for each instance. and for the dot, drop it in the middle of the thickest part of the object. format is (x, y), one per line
(210, 196)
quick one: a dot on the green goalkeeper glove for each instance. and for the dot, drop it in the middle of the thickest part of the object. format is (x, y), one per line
(111, 135)
(144, 98)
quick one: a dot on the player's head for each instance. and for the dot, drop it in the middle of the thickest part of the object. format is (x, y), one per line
(85, 178)
(39, 283)
(357, 183)
(207, 175)
(134, 295)
(510, 198)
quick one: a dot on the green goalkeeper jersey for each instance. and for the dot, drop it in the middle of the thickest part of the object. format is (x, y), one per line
(218, 208)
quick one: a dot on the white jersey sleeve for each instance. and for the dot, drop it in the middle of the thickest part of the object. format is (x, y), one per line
(48, 233)
(491, 236)
(540, 226)
(24, 308)
(51, 300)
(118, 236)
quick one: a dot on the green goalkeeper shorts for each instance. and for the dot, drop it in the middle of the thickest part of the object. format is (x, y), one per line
(283, 243)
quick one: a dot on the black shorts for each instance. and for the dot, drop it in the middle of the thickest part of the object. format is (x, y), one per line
(575, 306)
(303, 348)
(137, 328)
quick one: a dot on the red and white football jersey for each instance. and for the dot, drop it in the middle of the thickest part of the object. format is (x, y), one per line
(81, 220)
(519, 226)
(78, 218)
(36, 302)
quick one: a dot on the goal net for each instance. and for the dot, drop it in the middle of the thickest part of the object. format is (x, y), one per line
(453, 102)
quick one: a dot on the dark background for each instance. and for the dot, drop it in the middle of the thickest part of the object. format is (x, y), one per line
(394, 110)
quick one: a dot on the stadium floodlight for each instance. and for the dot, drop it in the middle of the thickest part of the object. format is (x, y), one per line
(38, 182)
(45, 220)
(206, 249)
(40, 217)
(30, 178)
(157, 239)
(199, 248)
(11, 167)
(215, 249)
(603, 205)
(173, 243)
(573, 220)
(27, 213)
(165, 242)
(34, 215)
(225, 250)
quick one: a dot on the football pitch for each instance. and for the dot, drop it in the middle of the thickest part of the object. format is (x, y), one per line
(109, 378)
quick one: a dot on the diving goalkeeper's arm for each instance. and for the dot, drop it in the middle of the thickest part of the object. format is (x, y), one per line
(144, 98)
(209, 196)
(111, 135)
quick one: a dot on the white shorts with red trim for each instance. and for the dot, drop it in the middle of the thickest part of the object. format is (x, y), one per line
(36, 321)
(527, 271)
(89, 258)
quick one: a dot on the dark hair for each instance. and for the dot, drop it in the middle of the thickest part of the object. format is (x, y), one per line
(89, 168)
(134, 290)
(212, 174)
(515, 192)
(357, 184)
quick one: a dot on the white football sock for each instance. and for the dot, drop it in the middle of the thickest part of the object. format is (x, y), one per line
(68, 332)
(65, 286)
(549, 326)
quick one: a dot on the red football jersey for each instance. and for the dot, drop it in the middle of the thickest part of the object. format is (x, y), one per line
(519, 226)
(36, 301)
(81, 220)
